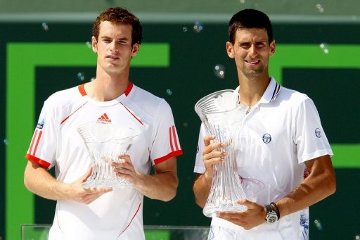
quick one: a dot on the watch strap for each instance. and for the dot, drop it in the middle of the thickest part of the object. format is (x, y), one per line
(275, 208)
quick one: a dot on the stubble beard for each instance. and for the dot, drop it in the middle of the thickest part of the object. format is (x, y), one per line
(253, 73)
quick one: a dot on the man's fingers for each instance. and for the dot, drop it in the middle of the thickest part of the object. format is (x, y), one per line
(89, 198)
(214, 154)
(86, 175)
(208, 139)
(212, 147)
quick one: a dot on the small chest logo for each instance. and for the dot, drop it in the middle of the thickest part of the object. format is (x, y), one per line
(317, 133)
(266, 138)
(104, 119)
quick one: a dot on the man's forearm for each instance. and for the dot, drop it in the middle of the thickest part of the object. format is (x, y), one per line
(318, 185)
(161, 186)
(40, 182)
(201, 189)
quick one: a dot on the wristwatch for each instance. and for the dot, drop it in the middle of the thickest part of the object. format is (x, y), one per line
(272, 213)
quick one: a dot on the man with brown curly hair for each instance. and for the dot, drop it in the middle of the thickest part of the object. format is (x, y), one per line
(105, 212)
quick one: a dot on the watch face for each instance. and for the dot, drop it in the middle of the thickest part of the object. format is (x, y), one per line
(271, 217)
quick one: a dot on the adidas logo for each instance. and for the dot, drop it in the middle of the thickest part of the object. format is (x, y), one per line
(104, 119)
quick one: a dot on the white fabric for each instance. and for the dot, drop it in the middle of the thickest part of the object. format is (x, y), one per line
(280, 133)
(56, 142)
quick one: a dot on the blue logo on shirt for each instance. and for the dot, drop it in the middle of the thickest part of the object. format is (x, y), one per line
(266, 138)
(317, 133)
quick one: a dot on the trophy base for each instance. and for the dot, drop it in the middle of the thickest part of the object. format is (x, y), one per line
(108, 183)
(210, 209)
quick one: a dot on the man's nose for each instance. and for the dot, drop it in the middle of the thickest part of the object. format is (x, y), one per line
(113, 45)
(252, 49)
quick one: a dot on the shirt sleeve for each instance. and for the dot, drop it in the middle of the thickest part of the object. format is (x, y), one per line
(310, 137)
(199, 163)
(43, 143)
(166, 142)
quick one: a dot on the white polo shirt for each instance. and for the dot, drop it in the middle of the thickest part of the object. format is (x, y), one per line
(280, 133)
(57, 143)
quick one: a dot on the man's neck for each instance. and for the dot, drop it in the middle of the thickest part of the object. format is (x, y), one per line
(251, 90)
(106, 89)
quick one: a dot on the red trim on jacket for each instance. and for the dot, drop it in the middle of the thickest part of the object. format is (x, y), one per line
(136, 212)
(82, 90)
(66, 118)
(132, 114)
(166, 157)
(39, 161)
(128, 88)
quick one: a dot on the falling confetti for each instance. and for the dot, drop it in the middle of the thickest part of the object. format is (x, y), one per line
(324, 48)
(81, 76)
(219, 71)
(198, 27)
(169, 92)
(45, 26)
(320, 8)
(318, 224)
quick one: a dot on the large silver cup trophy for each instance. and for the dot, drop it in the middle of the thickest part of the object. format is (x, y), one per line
(105, 142)
(219, 112)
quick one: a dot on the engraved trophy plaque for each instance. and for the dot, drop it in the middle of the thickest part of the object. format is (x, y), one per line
(219, 112)
(105, 142)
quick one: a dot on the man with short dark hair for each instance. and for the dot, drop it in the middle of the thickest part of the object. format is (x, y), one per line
(282, 148)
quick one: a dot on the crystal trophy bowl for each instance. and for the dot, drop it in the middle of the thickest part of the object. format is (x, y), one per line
(219, 112)
(105, 142)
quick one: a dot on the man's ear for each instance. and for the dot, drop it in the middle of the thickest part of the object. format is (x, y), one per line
(272, 47)
(94, 44)
(135, 49)
(229, 49)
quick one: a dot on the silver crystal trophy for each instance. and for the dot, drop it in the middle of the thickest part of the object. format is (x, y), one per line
(105, 142)
(219, 112)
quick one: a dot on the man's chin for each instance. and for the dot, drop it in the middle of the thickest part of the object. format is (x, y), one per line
(253, 74)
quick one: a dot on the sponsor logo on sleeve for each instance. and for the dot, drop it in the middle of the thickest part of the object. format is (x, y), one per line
(40, 124)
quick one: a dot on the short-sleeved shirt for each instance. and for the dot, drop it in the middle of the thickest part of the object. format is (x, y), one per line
(280, 133)
(57, 143)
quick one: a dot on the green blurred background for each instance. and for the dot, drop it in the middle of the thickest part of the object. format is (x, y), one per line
(44, 48)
